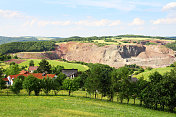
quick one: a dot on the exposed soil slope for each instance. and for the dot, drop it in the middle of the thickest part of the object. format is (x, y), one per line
(116, 56)
(113, 55)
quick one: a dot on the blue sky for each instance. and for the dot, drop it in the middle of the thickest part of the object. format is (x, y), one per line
(66, 18)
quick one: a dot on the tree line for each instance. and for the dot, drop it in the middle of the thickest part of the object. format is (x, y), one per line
(156, 93)
(171, 46)
(33, 46)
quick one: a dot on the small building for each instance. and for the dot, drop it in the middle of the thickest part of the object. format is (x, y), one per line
(70, 72)
(32, 69)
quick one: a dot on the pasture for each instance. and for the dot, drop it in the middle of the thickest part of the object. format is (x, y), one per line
(146, 73)
(71, 106)
(55, 63)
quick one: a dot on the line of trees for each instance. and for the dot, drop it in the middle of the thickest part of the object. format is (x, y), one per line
(32, 46)
(156, 93)
(171, 46)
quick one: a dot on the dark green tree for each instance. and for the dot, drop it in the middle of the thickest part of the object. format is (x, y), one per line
(168, 92)
(58, 82)
(31, 63)
(44, 66)
(47, 84)
(71, 85)
(98, 80)
(31, 83)
(56, 70)
(17, 86)
(2, 84)
(141, 84)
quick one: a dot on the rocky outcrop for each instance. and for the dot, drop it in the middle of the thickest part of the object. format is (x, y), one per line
(117, 56)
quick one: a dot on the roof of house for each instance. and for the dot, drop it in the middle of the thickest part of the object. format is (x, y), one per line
(37, 75)
(23, 72)
(69, 72)
(32, 68)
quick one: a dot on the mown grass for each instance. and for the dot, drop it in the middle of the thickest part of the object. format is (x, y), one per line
(55, 63)
(146, 73)
(71, 106)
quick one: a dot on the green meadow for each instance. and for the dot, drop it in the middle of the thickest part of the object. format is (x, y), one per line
(71, 106)
(55, 63)
(146, 73)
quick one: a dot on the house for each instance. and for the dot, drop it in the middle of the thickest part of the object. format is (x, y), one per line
(70, 72)
(10, 78)
(32, 69)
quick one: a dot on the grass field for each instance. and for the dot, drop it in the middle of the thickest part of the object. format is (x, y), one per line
(56, 62)
(74, 106)
(4, 65)
(146, 73)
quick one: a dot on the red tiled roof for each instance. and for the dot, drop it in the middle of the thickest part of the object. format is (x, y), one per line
(37, 75)
(31, 68)
(5, 79)
(23, 72)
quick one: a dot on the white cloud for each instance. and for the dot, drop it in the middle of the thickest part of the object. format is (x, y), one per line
(10, 14)
(165, 21)
(170, 6)
(171, 16)
(102, 22)
(137, 21)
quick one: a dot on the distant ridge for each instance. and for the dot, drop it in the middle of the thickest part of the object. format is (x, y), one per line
(4, 40)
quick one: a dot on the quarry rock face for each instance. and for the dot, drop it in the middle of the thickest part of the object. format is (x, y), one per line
(117, 56)
(114, 55)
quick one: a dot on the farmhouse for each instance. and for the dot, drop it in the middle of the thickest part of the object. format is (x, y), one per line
(10, 78)
(70, 72)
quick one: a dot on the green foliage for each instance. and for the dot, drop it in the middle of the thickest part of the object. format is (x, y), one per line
(172, 65)
(38, 46)
(71, 85)
(44, 66)
(17, 85)
(12, 70)
(171, 46)
(56, 70)
(109, 40)
(1, 72)
(58, 82)
(4, 57)
(32, 84)
(31, 63)
(98, 79)
(2, 84)
(47, 84)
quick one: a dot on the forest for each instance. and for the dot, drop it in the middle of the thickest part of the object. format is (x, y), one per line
(33, 46)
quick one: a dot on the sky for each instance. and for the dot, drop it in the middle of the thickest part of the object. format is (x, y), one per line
(65, 18)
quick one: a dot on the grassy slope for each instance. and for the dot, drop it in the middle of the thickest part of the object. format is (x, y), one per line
(3, 65)
(146, 73)
(55, 62)
(65, 106)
